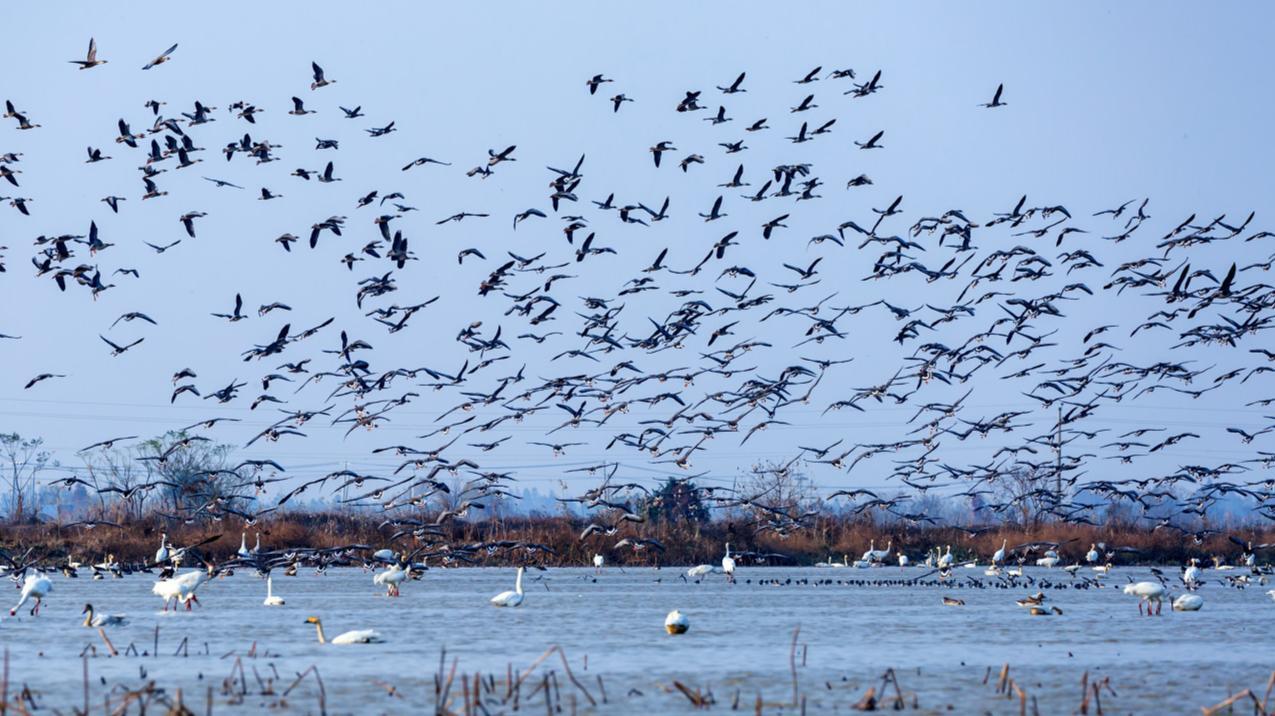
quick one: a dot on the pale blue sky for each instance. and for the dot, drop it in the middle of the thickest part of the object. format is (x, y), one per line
(1106, 102)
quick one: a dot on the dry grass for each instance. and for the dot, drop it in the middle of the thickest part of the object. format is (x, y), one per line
(828, 536)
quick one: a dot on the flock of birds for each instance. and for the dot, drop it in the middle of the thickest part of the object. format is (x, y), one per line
(997, 293)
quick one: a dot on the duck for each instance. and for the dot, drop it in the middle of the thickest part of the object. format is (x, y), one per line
(37, 587)
(1032, 601)
(1043, 612)
(728, 565)
(510, 599)
(1147, 592)
(355, 636)
(271, 599)
(953, 602)
(92, 619)
(676, 622)
(1188, 603)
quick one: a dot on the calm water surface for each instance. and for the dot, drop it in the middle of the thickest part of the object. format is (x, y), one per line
(739, 639)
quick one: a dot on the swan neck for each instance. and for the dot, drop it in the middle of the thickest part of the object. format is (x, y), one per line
(518, 582)
(318, 626)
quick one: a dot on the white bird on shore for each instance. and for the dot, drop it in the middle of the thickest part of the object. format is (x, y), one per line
(271, 599)
(598, 561)
(356, 636)
(36, 587)
(161, 554)
(903, 560)
(1188, 603)
(510, 599)
(92, 619)
(243, 545)
(676, 623)
(879, 555)
(728, 565)
(1147, 592)
(870, 552)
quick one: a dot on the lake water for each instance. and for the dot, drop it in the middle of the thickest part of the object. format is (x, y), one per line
(739, 640)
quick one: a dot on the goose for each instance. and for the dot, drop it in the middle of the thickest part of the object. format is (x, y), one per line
(271, 599)
(161, 554)
(1147, 592)
(1034, 600)
(676, 622)
(36, 587)
(598, 561)
(953, 602)
(999, 555)
(1188, 603)
(728, 565)
(510, 599)
(102, 620)
(384, 555)
(1092, 555)
(392, 577)
(356, 636)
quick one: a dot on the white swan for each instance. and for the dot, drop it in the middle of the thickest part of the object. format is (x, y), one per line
(510, 599)
(1191, 573)
(879, 555)
(36, 587)
(243, 546)
(946, 560)
(161, 554)
(999, 555)
(356, 636)
(1092, 555)
(728, 565)
(699, 570)
(903, 560)
(384, 555)
(1048, 561)
(92, 619)
(1188, 603)
(271, 599)
(870, 552)
(598, 561)
(1147, 592)
(392, 577)
(257, 549)
(676, 622)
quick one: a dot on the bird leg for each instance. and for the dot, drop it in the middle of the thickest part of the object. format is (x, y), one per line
(1158, 606)
(1139, 607)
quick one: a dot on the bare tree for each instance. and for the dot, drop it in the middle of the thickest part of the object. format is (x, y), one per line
(23, 460)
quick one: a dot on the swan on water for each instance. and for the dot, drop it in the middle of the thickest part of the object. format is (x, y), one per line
(1147, 592)
(356, 636)
(92, 619)
(728, 565)
(510, 599)
(271, 599)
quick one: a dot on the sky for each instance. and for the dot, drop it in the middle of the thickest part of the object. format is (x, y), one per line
(1106, 103)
